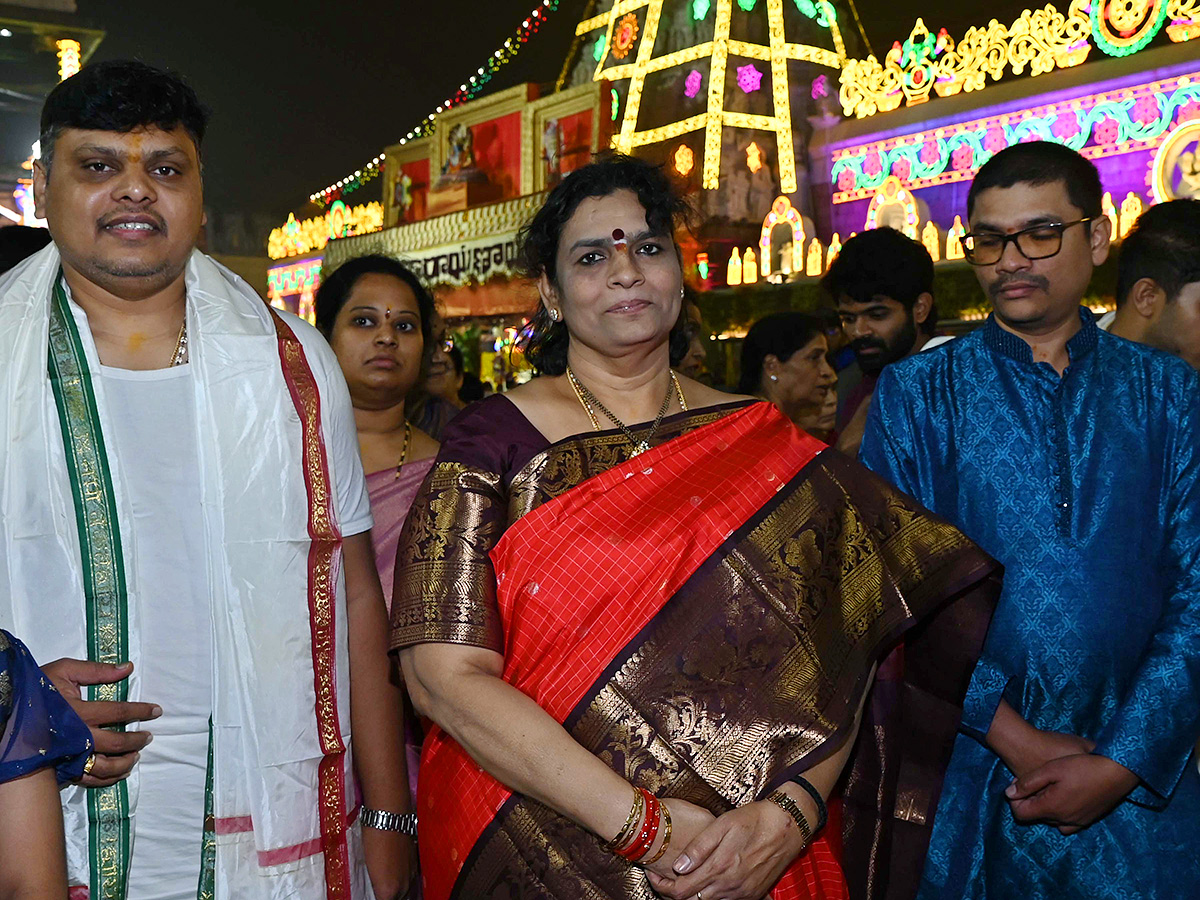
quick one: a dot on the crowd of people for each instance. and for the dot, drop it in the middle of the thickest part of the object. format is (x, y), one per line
(920, 623)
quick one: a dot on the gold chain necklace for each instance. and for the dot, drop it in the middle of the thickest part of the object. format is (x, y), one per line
(404, 449)
(180, 353)
(587, 398)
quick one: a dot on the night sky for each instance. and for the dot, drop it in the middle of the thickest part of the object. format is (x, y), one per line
(303, 92)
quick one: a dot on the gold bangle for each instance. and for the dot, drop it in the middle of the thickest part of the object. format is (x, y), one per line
(788, 805)
(635, 816)
(666, 814)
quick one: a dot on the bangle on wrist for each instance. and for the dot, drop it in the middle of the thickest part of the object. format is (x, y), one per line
(403, 823)
(666, 815)
(630, 828)
(644, 838)
(788, 805)
(822, 811)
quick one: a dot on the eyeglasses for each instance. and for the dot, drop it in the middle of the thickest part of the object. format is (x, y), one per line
(984, 248)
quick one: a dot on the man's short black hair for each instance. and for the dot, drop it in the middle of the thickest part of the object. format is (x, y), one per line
(1164, 245)
(882, 262)
(121, 95)
(1038, 163)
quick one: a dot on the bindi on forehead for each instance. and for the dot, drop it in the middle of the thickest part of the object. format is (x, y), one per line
(619, 241)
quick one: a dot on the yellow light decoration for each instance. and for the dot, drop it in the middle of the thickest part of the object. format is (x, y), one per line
(685, 160)
(1184, 16)
(68, 57)
(954, 247)
(782, 212)
(311, 235)
(749, 267)
(754, 157)
(1131, 208)
(931, 240)
(1110, 211)
(1042, 40)
(777, 52)
(816, 254)
(733, 271)
(835, 247)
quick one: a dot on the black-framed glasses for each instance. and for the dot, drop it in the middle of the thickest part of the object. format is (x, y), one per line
(984, 248)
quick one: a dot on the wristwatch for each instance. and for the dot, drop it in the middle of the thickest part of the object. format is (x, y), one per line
(404, 823)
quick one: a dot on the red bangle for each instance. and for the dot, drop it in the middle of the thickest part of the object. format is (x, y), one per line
(649, 831)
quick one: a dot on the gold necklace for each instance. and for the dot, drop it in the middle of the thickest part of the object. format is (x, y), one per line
(587, 398)
(404, 449)
(180, 353)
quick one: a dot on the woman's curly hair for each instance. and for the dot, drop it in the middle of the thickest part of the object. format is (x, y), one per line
(543, 340)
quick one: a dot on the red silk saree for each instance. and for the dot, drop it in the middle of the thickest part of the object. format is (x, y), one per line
(703, 617)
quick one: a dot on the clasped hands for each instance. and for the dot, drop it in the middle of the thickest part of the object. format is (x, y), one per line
(739, 855)
(1061, 782)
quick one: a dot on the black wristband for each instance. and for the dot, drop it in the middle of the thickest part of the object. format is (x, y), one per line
(822, 812)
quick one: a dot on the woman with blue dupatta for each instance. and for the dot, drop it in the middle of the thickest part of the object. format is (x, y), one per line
(41, 737)
(643, 615)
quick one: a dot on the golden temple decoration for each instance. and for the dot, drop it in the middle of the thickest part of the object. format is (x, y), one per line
(1184, 16)
(1039, 40)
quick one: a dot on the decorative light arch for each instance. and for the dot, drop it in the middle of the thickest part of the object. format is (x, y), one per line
(891, 192)
(782, 211)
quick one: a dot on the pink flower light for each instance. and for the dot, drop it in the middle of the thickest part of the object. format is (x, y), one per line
(963, 157)
(930, 153)
(1189, 111)
(872, 164)
(1146, 111)
(994, 139)
(1066, 126)
(1107, 131)
(902, 168)
(749, 79)
(693, 83)
(846, 180)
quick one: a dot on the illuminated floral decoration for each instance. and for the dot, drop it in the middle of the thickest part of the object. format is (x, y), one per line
(712, 121)
(311, 235)
(685, 160)
(749, 78)
(1185, 20)
(1121, 27)
(624, 36)
(1040, 40)
(700, 9)
(1101, 124)
(892, 193)
(782, 212)
(693, 83)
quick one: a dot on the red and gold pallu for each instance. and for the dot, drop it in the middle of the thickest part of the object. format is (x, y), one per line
(704, 618)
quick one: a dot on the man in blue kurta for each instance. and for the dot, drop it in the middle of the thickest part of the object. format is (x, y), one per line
(1073, 457)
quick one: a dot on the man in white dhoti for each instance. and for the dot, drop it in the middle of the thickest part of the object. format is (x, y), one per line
(184, 524)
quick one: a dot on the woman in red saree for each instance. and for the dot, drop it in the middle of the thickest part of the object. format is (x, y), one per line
(693, 605)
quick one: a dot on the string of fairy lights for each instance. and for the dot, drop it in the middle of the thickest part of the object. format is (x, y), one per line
(468, 90)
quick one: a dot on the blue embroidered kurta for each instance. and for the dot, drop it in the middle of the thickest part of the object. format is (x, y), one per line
(37, 726)
(1087, 489)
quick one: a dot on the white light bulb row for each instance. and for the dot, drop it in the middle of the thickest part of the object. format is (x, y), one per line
(420, 130)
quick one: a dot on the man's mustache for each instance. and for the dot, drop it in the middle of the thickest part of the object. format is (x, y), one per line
(860, 344)
(1005, 281)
